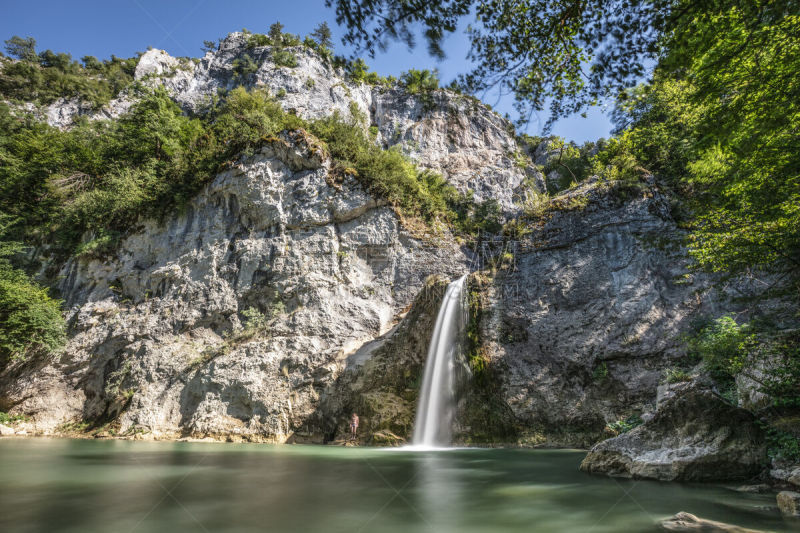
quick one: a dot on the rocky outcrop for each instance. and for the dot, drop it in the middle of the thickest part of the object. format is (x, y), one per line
(587, 313)
(381, 380)
(694, 436)
(471, 146)
(271, 306)
(160, 340)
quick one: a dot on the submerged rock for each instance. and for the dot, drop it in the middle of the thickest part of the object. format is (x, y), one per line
(386, 438)
(694, 436)
(789, 503)
(689, 522)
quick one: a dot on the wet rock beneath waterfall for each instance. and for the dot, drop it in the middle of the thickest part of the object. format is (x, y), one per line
(689, 522)
(381, 380)
(386, 438)
(694, 436)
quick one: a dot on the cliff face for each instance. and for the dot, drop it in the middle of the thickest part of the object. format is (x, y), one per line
(589, 314)
(471, 146)
(275, 303)
(155, 329)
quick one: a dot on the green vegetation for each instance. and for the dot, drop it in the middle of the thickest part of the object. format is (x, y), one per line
(30, 321)
(676, 375)
(413, 192)
(782, 445)
(358, 71)
(768, 356)
(723, 345)
(419, 81)
(600, 372)
(6, 418)
(284, 58)
(571, 163)
(48, 76)
(322, 35)
(243, 67)
(319, 40)
(100, 177)
(624, 425)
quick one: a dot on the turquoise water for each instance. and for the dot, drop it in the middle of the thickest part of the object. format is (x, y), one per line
(102, 486)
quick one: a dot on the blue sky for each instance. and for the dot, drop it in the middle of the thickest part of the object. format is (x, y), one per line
(83, 27)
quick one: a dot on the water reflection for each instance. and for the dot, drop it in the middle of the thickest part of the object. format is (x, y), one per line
(90, 486)
(439, 491)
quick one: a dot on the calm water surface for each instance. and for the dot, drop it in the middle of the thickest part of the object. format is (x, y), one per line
(101, 486)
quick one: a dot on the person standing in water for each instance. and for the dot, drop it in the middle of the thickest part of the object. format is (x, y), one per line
(353, 426)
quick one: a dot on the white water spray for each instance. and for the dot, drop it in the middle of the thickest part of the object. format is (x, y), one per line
(433, 427)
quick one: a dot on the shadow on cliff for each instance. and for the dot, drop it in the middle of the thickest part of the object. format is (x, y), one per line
(586, 328)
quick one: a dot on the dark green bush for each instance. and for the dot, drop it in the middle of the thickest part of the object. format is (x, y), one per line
(284, 58)
(100, 177)
(48, 76)
(419, 81)
(243, 67)
(30, 321)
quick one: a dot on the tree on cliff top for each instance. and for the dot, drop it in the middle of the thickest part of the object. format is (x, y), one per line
(322, 35)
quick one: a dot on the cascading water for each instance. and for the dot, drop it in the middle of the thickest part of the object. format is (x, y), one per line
(436, 407)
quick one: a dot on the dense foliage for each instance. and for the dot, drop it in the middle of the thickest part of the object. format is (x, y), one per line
(30, 321)
(47, 76)
(572, 53)
(101, 176)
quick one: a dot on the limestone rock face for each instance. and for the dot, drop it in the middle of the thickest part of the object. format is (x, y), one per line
(587, 314)
(157, 330)
(473, 147)
(694, 436)
(381, 380)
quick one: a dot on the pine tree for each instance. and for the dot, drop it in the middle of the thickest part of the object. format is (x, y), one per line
(276, 33)
(24, 49)
(322, 35)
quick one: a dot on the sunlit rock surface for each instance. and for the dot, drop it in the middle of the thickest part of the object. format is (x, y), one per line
(155, 330)
(693, 436)
(470, 145)
(577, 325)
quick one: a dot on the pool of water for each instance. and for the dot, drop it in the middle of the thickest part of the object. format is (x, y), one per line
(87, 486)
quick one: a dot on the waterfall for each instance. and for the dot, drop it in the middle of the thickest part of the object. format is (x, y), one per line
(436, 408)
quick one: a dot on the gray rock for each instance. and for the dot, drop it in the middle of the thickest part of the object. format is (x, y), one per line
(694, 436)
(380, 381)
(584, 320)
(761, 488)
(789, 503)
(6, 431)
(156, 335)
(471, 146)
(794, 477)
(689, 522)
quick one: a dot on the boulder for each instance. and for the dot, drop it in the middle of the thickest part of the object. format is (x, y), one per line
(6, 431)
(693, 436)
(789, 503)
(794, 477)
(689, 522)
